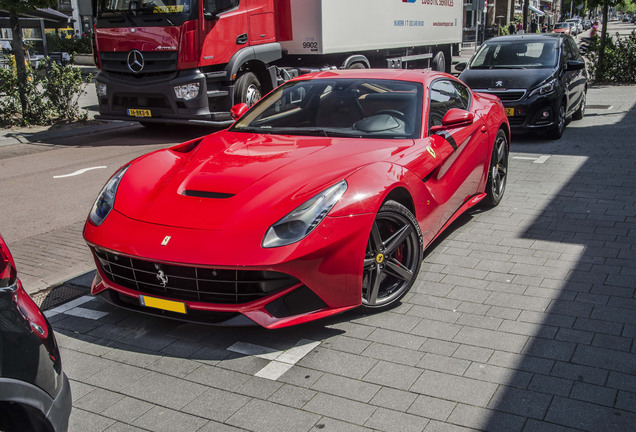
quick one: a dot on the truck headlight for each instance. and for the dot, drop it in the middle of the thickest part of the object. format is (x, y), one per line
(187, 91)
(101, 88)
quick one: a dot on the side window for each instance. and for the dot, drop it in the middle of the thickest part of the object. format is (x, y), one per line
(445, 95)
(573, 49)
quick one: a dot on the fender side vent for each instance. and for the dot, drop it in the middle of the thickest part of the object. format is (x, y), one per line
(206, 194)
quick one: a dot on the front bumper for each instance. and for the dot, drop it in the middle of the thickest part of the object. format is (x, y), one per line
(155, 96)
(324, 271)
(532, 113)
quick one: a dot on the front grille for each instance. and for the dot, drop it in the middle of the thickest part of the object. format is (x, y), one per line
(132, 101)
(185, 283)
(154, 62)
(510, 95)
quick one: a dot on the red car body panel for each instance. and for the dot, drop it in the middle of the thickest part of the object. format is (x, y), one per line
(265, 177)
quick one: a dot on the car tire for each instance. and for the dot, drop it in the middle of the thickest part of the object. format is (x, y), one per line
(578, 115)
(559, 126)
(393, 257)
(247, 89)
(498, 170)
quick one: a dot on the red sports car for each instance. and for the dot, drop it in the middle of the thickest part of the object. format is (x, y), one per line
(320, 198)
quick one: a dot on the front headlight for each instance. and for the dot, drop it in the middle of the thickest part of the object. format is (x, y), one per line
(302, 220)
(187, 91)
(544, 88)
(106, 198)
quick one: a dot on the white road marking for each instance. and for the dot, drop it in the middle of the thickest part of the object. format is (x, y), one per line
(78, 172)
(539, 160)
(73, 308)
(86, 313)
(280, 361)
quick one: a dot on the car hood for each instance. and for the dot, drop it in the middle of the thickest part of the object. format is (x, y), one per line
(234, 180)
(501, 79)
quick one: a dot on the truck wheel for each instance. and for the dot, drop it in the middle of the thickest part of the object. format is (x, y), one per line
(357, 65)
(439, 62)
(247, 89)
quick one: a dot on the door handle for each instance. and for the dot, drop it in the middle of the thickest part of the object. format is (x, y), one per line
(241, 39)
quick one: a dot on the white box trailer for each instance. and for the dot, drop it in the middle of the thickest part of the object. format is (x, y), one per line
(389, 33)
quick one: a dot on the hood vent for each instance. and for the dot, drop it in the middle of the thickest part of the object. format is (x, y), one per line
(206, 194)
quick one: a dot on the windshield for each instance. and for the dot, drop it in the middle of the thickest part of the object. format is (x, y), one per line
(562, 25)
(516, 54)
(362, 108)
(145, 6)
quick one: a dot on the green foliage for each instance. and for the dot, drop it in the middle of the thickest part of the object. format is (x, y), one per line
(619, 64)
(26, 5)
(52, 92)
(71, 45)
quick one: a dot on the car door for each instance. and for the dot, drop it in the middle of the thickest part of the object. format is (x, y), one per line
(445, 159)
(572, 79)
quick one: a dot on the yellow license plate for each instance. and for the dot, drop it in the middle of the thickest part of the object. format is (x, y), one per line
(157, 303)
(138, 112)
(510, 112)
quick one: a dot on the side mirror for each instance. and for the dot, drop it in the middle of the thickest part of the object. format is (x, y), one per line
(461, 66)
(238, 110)
(574, 65)
(454, 118)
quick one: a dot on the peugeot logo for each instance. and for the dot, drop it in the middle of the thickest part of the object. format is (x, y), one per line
(498, 83)
(135, 61)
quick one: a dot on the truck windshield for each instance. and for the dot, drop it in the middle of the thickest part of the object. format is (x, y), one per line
(138, 7)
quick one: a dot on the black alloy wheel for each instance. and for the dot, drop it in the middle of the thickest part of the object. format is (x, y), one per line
(559, 123)
(393, 257)
(498, 170)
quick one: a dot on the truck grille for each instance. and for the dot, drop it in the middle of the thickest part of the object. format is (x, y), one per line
(154, 62)
(185, 283)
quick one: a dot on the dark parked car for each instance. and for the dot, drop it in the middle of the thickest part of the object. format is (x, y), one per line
(35, 394)
(541, 79)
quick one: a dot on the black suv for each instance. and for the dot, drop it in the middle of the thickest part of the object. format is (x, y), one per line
(540, 78)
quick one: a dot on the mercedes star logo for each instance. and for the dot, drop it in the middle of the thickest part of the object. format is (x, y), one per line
(135, 61)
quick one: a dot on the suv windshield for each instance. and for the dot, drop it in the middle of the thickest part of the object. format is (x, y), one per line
(360, 108)
(516, 54)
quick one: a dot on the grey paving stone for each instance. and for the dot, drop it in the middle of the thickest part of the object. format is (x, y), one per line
(347, 344)
(499, 375)
(437, 426)
(337, 362)
(81, 420)
(446, 364)
(439, 347)
(339, 408)
(389, 320)
(626, 401)
(550, 349)
(491, 339)
(79, 389)
(122, 427)
(551, 385)
(589, 417)
(218, 377)
(97, 400)
(393, 354)
(454, 388)
(333, 425)
(521, 402)
(593, 393)
(483, 419)
(388, 420)
(393, 399)
(346, 387)
(173, 366)
(396, 339)
(79, 366)
(127, 409)
(436, 329)
(426, 310)
(610, 359)
(292, 396)
(472, 353)
(432, 407)
(160, 419)
(116, 377)
(613, 342)
(392, 375)
(216, 404)
(576, 336)
(164, 390)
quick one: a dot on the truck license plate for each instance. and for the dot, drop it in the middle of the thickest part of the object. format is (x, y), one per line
(510, 112)
(138, 112)
(157, 303)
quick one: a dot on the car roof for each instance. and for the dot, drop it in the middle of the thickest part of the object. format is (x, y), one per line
(527, 37)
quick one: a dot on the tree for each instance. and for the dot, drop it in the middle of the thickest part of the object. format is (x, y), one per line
(15, 8)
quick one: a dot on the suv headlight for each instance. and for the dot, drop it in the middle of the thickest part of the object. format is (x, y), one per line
(302, 220)
(106, 198)
(544, 89)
